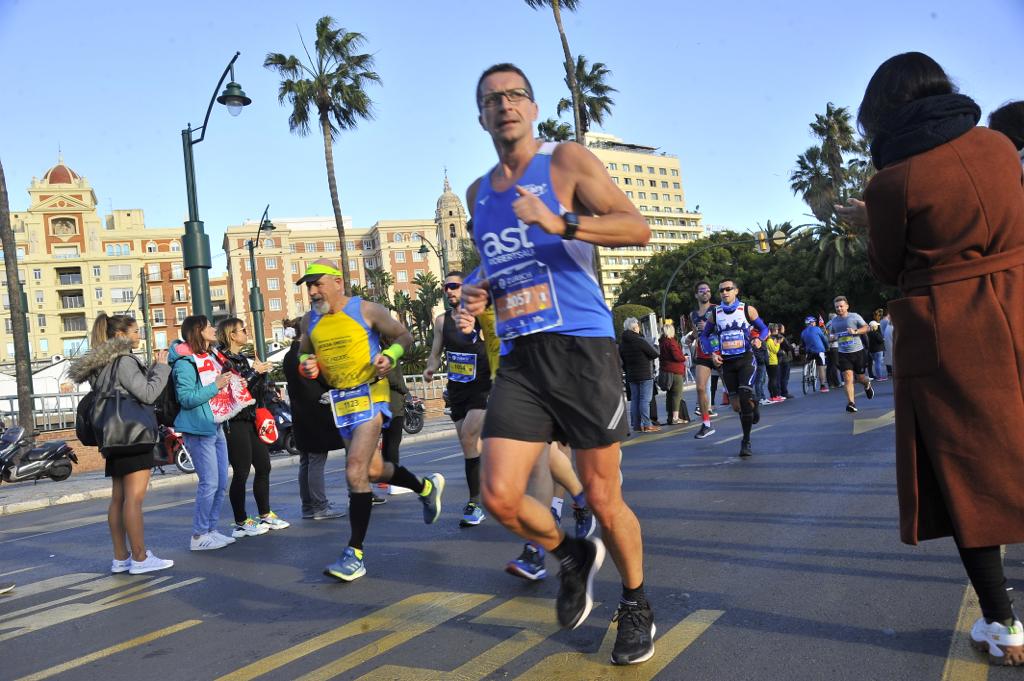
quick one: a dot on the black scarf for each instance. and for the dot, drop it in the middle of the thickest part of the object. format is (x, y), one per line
(921, 125)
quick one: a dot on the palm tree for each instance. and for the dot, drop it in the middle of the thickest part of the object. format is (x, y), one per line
(812, 181)
(332, 86)
(594, 99)
(378, 284)
(554, 131)
(22, 356)
(570, 74)
(837, 136)
(403, 305)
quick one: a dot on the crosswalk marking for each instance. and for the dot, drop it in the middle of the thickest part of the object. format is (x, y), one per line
(107, 652)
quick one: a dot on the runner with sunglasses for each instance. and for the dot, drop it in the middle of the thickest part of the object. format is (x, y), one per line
(727, 338)
(469, 384)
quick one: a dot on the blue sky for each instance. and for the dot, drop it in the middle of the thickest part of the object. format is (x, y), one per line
(728, 87)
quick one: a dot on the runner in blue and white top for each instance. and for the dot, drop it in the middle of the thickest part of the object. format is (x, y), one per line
(846, 329)
(726, 337)
(537, 217)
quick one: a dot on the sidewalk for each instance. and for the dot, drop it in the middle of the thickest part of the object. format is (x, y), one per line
(27, 496)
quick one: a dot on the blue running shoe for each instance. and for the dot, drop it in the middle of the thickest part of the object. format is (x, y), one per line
(585, 521)
(529, 565)
(349, 567)
(432, 500)
(471, 515)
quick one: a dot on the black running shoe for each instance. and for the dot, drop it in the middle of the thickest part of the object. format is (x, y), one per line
(377, 499)
(869, 391)
(851, 407)
(576, 591)
(745, 449)
(634, 642)
(705, 430)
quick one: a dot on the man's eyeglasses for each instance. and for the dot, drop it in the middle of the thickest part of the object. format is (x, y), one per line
(514, 96)
(723, 289)
(703, 290)
(452, 286)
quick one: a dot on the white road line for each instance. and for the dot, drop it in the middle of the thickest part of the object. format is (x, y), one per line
(737, 437)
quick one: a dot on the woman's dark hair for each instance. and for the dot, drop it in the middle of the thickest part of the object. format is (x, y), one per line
(106, 327)
(192, 332)
(898, 81)
(1009, 120)
(224, 330)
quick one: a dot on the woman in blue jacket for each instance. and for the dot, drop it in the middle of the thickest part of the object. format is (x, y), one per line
(198, 379)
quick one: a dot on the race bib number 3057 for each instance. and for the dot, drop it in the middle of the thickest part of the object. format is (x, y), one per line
(525, 300)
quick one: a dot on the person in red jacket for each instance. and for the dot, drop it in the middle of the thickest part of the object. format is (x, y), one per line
(673, 362)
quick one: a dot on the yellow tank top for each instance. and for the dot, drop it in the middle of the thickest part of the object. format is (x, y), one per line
(345, 346)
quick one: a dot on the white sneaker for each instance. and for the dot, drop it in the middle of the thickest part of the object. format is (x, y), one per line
(223, 538)
(151, 564)
(205, 542)
(250, 528)
(272, 522)
(995, 637)
(119, 566)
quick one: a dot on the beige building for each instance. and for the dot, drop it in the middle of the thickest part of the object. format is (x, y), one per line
(74, 265)
(283, 254)
(651, 180)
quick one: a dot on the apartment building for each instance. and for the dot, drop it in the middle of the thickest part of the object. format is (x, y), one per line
(652, 180)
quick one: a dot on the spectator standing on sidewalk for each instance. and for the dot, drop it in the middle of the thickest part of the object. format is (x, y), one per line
(673, 363)
(773, 345)
(760, 353)
(315, 433)
(637, 354)
(876, 348)
(786, 352)
(937, 169)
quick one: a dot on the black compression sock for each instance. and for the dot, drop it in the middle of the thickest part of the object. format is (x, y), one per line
(473, 479)
(746, 420)
(633, 595)
(570, 552)
(403, 478)
(359, 506)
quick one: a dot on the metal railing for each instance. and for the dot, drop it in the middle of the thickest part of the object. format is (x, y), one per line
(419, 387)
(53, 411)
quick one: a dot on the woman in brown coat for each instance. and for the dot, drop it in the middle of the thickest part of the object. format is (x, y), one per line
(946, 224)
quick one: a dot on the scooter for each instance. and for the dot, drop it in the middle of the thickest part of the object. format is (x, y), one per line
(173, 450)
(20, 460)
(414, 411)
(283, 418)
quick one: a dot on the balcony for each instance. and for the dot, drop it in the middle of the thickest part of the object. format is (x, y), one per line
(74, 325)
(69, 278)
(72, 302)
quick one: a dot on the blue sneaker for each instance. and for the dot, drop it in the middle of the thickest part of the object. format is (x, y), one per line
(471, 515)
(349, 567)
(529, 565)
(432, 499)
(585, 521)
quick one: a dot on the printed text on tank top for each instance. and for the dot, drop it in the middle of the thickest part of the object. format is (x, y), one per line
(466, 353)
(733, 329)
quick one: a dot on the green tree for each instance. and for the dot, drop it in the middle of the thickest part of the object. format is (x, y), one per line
(553, 130)
(594, 100)
(811, 180)
(19, 315)
(428, 295)
(403, 307)
(570, 72)
(622, 312)
(378, 285)
(468, 255)
(330, 85)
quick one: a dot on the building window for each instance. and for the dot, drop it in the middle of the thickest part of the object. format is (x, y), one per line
(400, 256)
(615, 179)
(153, 271)
(417, 237)
(41, 321)
(156, 295)
(675, 173)
(417, 256)
(367, 244)
(664, 184)
(650, 169)
(75, 323)
(295, 268)
(675, 185)
(350, 245)
(643, 207)
(310, 247)
(402, 276)
(653, 183)
(638, 169)
(179, 294)
(120, 272)
(36, 274)
(117, 250)
(99, 294)
(180, 313)
(160, 339)
(291, 248)
(678, 198)
(177, 270)
(629, 195)
(663, 171)
(330, 247)
(613, 166)
(63, 252)
(268, 243)
(39, 299)
(96, 272)
(44, 346)
(275, 304)
(158, 317)
(642, 195)
(270, 263)
(151, 247)
(273, 284)
(122, 295)
(627, 180)
(397, 238)
(175, 247)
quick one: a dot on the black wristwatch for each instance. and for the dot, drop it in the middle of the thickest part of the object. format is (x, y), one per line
(572, 223)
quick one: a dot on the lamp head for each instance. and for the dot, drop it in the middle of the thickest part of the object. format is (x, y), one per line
(423, 249)
(234, 98)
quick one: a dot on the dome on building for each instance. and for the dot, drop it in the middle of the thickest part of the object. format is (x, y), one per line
(449, 204)
(60, 174)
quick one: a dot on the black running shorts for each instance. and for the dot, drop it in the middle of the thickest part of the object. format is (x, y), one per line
(465, 401)
(737, 372)
(557, 387)
(852, 361)
(817, 357)
(703, 362)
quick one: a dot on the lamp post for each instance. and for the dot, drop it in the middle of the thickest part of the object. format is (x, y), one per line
(442, 256)
(196, 244)
(255, 295)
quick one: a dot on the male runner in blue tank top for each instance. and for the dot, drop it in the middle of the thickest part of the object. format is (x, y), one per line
(726, 337)
(535, 224)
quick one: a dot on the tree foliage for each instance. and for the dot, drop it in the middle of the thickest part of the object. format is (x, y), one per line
(594, 93)
(553, 130)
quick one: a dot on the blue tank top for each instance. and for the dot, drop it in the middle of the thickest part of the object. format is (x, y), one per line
(539, 281)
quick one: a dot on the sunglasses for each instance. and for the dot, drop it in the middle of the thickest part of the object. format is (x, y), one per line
(452, 286)
(726, 288)
(514, 96)
(703, 290)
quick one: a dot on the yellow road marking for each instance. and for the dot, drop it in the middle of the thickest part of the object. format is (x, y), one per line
(405, 620)
(106, 652)
(963, 663)
(598, 666)
(48, 585)
(533, 616)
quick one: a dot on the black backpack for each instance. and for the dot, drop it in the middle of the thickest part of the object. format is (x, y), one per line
(166, 405)
(83, 420)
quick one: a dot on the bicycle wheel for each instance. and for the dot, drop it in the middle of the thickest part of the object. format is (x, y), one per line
(806, 378)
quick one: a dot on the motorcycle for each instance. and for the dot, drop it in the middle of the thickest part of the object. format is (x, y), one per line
(283, 418)
(173, 449)
(414, 411)
(21, 459)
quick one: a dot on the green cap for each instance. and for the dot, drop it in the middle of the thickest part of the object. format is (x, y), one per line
(316, 270)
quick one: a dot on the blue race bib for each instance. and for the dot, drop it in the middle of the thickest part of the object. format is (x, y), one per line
(733, 342)
(461, 367)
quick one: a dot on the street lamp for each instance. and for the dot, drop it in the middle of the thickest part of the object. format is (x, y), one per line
(196, 244)
(255, 296)
(442, 256)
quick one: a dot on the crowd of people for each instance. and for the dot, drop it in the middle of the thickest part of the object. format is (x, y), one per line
(527, 339)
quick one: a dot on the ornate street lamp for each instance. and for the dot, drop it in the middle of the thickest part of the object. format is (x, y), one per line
(255, 295)
(196, 244)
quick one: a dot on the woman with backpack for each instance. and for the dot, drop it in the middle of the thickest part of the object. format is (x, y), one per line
(207, 397)
(113, 339)
(245, 448)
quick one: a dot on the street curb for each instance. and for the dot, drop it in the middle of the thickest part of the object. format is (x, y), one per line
(173, 480)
